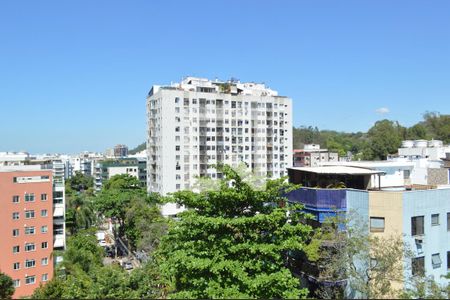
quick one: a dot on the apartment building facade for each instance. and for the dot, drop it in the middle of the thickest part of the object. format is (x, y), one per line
(104, 170)
(32, 226)
(197, 123)
(312, 156)
(421, 217)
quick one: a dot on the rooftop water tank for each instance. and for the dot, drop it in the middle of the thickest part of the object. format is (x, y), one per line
(435, 143)
(420, 143)
(407, 144)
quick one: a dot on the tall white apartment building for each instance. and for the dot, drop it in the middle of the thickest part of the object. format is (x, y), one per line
(197, 123)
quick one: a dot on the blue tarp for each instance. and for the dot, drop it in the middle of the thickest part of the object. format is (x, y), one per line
(319, 198)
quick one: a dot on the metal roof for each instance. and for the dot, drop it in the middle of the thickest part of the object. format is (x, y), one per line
(344, 170)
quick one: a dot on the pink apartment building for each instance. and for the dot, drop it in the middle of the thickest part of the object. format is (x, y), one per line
(26, 230)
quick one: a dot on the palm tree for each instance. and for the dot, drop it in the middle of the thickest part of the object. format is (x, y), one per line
(80, 213)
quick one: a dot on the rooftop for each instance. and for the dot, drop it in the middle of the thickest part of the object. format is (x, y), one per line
(341, 170)
(232, 86)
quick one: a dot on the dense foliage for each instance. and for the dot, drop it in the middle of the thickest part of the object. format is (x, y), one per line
(383, 138)
(232, 243)
(138, 148)
(6, 286)
(83, 275)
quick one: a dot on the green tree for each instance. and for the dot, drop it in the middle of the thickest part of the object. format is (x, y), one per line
(115, 198)
(144, 225)
(80, 213)
(438, 125)
(372, 265)
(384, 138)
(82, 252)
(79, 183)
(423, 287)
(82, 275)
(232, 243)
(417, 132)
(6, 286)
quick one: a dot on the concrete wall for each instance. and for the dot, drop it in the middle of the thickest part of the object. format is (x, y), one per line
(437, 176)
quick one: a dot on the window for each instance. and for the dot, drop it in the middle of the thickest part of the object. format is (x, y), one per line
(44, 277)
(44, 229)
(418, 266)
(30, 263)
(44, 261)
(15, 216)
(406, 174)
(29, 230)
(448, 260)
(16, 283)
(417, 227)
(436, 260)
(29, 214)
(29, 197)
(43, 197)
(16, 249)
(448, 221)
(15, 232)
(16, 266)
(434, 219)
(177, 148)
(44, 213)
(30, 279)
(376, 224)
(15, 199)
(177, 100)
(44, 245)
(30, 247)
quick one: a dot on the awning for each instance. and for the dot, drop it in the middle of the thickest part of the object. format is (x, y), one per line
(58, 212)
(59, 242)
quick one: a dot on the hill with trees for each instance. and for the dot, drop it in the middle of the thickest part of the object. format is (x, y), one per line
(383, 138)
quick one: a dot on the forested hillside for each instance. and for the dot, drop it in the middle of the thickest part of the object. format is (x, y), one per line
(383, 138)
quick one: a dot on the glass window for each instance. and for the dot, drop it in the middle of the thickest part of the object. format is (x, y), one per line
(29, 214)
(417, 226)
(30, 279)
(30, 263)
(29, 197)
(435, 219)
(29, 230)
(448, 221)
(15, 216)
(30, 247)
(16, 266)
(44, 261)
(43, 197)
(376, 224)
(418, 266)
(15, 232)
(16, 249)
(436, 260)
(16, 283)
(406, 174)
(15, 199)
(44, 245)
(44, 213)
(448, 260)
(44, 277)
(44, 229)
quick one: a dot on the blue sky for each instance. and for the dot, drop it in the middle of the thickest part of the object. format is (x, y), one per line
(74, 74)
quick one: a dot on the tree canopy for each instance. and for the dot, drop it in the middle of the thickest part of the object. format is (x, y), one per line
(232, 243)
(6, 286)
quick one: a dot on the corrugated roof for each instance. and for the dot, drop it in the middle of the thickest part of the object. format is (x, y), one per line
(344, 170)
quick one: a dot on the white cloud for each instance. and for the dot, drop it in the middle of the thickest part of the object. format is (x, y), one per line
(382, 110)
